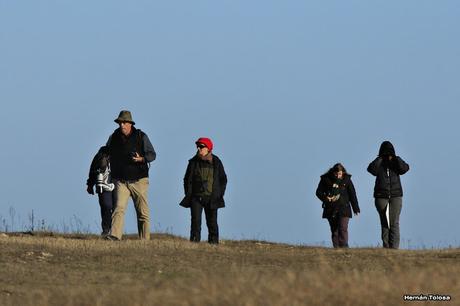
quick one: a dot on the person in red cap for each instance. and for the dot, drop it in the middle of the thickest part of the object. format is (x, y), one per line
(205, 182)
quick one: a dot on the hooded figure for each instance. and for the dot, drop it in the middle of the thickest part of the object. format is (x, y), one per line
(99, 176)
(388, 192)
(386, 148)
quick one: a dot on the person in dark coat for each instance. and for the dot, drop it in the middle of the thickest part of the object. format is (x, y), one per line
(205, 182)
(99, 176)
(337, 192)
(388, 192)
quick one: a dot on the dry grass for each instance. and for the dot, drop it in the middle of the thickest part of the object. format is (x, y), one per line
(84, 270)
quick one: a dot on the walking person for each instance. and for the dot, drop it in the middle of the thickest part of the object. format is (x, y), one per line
(130, 153)
(99, 176)
(388, 192)
(337, 192)
(205, 182)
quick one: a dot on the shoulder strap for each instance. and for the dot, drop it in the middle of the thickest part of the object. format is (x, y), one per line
(139, 142)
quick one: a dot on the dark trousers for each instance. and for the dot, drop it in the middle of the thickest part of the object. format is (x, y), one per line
(106, 202)
(339, 231)
(390, 226)
(196, 209)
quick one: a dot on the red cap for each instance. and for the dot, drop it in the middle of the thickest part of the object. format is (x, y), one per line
(206, 141)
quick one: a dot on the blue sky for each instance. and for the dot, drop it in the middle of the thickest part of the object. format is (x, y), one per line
(284, 88)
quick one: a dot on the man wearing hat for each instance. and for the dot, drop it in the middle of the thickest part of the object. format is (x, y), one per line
(130, 152)
(205, 182)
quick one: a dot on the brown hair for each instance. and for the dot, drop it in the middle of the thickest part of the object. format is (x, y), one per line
(336, 168)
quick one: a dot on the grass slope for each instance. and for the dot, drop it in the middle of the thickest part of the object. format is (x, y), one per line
(51, 269)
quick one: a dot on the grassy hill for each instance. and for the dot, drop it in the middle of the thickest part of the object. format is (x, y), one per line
(52, 269)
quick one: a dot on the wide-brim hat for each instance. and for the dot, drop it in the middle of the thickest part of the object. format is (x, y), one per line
(125, 116)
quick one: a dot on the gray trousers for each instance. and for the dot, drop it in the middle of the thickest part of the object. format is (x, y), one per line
(390, 226)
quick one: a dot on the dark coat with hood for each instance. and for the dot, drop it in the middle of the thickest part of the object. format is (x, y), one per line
(218, 187)
(387, 181)
(100, 163)
(341, 207)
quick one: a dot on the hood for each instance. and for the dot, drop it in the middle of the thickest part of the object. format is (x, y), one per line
(386, 148)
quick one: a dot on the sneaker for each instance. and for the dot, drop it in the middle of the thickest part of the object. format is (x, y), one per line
(111, 238)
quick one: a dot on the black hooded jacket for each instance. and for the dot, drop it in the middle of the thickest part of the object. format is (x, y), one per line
(347, 196)
(218, 187)
(387, 172)
(100, 162)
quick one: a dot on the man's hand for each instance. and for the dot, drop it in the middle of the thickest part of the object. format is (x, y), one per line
(89, 189)
(137, 158)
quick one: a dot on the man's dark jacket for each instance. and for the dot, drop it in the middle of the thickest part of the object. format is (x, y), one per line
(387, 181)
(218, 187)
(341, 207)
(121, 150)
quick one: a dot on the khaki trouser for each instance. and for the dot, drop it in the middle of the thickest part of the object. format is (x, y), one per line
(138, 192)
